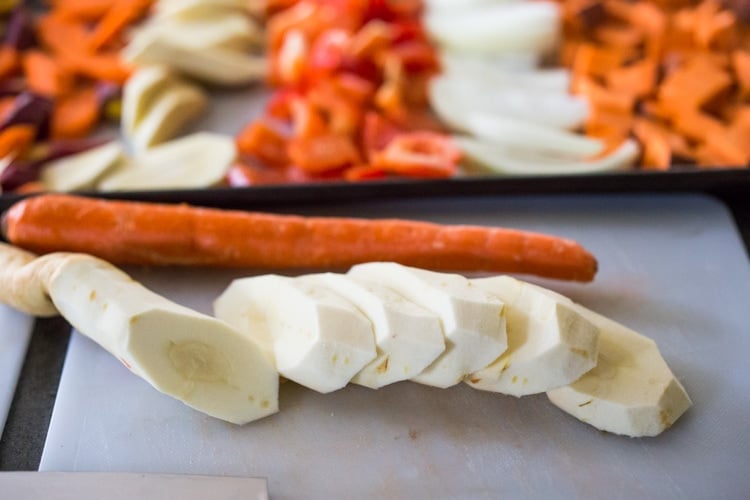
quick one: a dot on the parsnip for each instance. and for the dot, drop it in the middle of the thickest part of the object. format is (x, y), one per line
(194, 161)
(83, 170)
(408, 337)
(549, 344)
(316, 338)
(230, 30)
(192, 357)
(139, 93)
(472, 320)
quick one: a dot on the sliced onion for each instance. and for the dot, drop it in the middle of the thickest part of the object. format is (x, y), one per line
(491, 73)
(514, 161)
(516, 133)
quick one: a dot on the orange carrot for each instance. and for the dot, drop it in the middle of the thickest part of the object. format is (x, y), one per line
(82, 10)
(657, 154)
(76, 115)
(16, 139)
(8, 61)
(741, 66)
(121, 14)
(44, 75)
(182, 235)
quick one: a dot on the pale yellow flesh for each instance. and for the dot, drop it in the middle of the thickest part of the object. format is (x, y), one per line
(192, 357)
(549, 344)
(83, 170)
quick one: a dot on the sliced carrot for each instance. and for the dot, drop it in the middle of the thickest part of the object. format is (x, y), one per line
(82, 10)
(16, 140)
(637, 79)
(9, 61)
(44, 75)
(595, 60)
(62, 36)
(200, 236)
(121, 14)
(696, 125)
(6, 105)
(106, 67)
(657, 154)
(602, 97)
(76, 114)
(693, 84)
(741, 67)
(323, 153)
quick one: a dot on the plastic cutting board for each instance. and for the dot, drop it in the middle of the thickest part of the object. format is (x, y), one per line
(671, 267)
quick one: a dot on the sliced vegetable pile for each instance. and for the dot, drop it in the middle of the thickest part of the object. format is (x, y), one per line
(59, 72)
(675, 75)
(351, 101)
(378, 324)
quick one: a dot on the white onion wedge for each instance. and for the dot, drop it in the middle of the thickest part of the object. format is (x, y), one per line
(453, 100)
(497, 29)
(194, 161)
(517, 61)
(505, 160)
(516, 133)
(491, 74)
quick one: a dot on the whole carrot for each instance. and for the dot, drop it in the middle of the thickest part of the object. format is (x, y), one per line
(158, 234)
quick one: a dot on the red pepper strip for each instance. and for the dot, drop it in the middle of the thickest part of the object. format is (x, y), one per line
(323, 153)
(420, 154)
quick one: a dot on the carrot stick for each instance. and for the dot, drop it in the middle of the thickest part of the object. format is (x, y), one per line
(8, 61)
(156, 234)
(118, 17)
(16, 139)
(44, 75)
(82, 10)
(76, 115)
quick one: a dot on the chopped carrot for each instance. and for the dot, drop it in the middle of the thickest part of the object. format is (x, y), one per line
(44, 75)
(602, 97)
(592, 60)
(741, 66)
(16, 140)
(657, 154)
(323, 153)
(121, 14)
(696, 125)
(106, 67)
(6, 105)
(82, 10)
(693, 84)
(9, 61)
(201, 236)
(638, 79)
(76, 114)
(30, 187)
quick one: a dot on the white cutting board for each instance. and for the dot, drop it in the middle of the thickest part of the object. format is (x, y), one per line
(15, 332)
(672, 267)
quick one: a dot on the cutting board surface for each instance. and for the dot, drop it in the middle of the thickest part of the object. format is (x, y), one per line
(15, 332)
(671, 267)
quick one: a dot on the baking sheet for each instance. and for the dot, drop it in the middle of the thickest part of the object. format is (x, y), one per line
(15, 333)
(672, 267)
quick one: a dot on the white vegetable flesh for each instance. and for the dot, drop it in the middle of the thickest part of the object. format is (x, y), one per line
(472, 320)
(549, 344)
(408, 337)
(193, 161)
(190, 356)
(316, 338)
(83, 170)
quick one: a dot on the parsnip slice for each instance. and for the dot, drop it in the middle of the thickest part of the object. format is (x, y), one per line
(317, 338)
(140, 91)
(193, 161)
(171, 111)
(195, 358)
(81, 171)
(549, 343)
(631, 391)
(505, 160)
(472, 320)
(223, 29)
(408, 337)
(211, 65)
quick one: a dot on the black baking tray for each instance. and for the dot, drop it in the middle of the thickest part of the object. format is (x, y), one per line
(734, 182)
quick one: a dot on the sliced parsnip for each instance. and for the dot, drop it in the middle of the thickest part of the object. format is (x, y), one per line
(229, 30)
(453, 100)
(472, 320)
(211, 65)
(516, 133)
(496, 29)
(488, 75)
(83, 170)
(631, 391)
(549, 343)
(195, 358)
(140, 91)
(505, 160)
(194, 161)
(317, 338)
(408, 337)
(175, 107)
